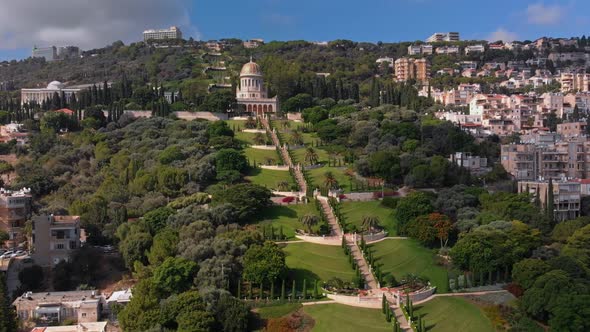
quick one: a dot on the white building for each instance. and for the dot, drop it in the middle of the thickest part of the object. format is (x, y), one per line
(479, 48)
(475, 164)
(49, 53)
(447, 50)
(252, 93)
(443, 37)
(42, 94)
(160, 34)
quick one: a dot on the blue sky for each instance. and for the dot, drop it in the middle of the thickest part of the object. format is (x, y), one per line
(317, 20)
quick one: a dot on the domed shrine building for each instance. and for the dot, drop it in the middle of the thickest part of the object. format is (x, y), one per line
(42, 94)
(252, 93)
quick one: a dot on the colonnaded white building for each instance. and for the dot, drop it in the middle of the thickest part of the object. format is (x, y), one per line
(252, 93)
(43, 94)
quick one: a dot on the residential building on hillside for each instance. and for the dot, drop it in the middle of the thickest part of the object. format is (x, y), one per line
(447, 50)
(15, 210)
(38, 96)
(566, 196)
(53, 308)
(252, 92)
(49, 53)
(574, 82)
(420, 49)
(162, 34)
(475, 164)
(54, 238)
(563, 159)
(253, 43)
(479, 48)
(407, 69)
(443, 37)
(67, 52)
(572, 129)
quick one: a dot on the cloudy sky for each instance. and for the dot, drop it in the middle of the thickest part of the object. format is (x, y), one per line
(89, 24)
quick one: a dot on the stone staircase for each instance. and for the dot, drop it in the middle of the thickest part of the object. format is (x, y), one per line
(297, 170)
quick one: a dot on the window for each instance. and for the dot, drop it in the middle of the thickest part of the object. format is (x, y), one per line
(59, 246)
(83, 314)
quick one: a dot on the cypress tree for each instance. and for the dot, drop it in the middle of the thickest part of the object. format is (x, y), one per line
(239, 291)
(315, 289)
(383, 303)
(250, 290)
(283, 290)
(304, 289)
(272, 290)
(7, 314)
(457, 282)
(293, 291)
(550, 204)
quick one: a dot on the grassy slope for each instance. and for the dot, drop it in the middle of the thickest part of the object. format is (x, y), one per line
(453, 314)
(260, 156)
(288, 217)
(354, 212)
(269, 178)
(341, 318)
(407, 256)
(317, 262)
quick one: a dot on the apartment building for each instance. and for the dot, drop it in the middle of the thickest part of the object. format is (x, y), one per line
(475, 164)
(407, 69)
(574, 82)
(253, 43)
(483, 103)
(81, 327)
(443, 37)
(580, 99)
(48, 53)
(162, 34)
(54, 238)
(553, 102)
(53, 308)
(447, 50)
(566, 196)
(572, 129)
(479, 48)
(563, 159)
(15, 210)
(420, 49)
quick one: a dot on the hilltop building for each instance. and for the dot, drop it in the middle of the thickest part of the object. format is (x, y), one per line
(40, 95)
(252, 92)
(566, 196)
(162, 34)
(443, 37)
(53, 308)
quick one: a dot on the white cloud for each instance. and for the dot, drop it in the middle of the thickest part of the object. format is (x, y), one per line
(542, 14)
(87, 23)
(503, 35)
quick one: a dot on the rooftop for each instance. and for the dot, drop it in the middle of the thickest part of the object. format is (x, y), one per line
(81, 327)
(32, 300)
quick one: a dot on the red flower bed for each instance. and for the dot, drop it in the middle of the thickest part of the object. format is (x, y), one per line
(289, 199)
(342, 196)
(515, 289)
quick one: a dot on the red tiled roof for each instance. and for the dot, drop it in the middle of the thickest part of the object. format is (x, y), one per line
(583, 181)
(66, 111)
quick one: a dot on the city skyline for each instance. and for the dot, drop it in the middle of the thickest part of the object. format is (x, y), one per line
(58, 22)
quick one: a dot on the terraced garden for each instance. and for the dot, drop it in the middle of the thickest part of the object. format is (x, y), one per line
(449, 314)
(317, 262)
(287, 217)
(355, 211)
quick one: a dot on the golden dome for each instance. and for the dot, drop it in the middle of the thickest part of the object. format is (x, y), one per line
(251, 68)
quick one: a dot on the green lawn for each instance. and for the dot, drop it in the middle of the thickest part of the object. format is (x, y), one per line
(318, 178)
(277, 311)
(269, 178)
(261, 156)
(354, 212)
(236, 125)
(287, 217)
(408, 256)
(342, 318)
(453, 314)
(298, 155)
(246, 137)
(317, 262)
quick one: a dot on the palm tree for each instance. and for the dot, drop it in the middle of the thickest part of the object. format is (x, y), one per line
(286, 124)
(259, 139)
(370, 222)
(330, 180)
(283, 185)
(309, 220)
(311, 156)
(296, 138)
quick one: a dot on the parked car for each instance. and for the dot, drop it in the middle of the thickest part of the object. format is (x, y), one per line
(20, 253)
